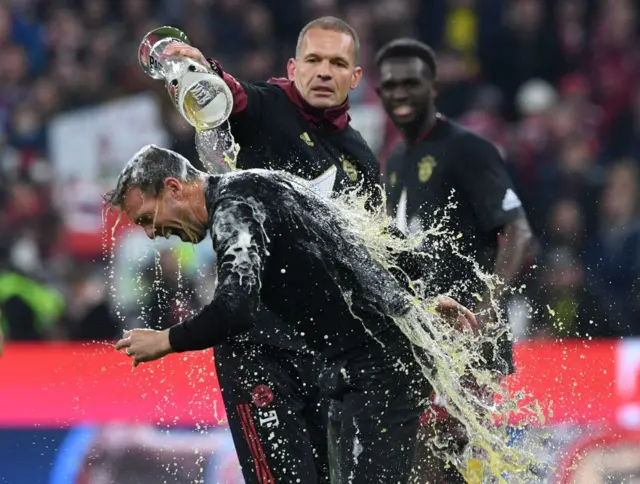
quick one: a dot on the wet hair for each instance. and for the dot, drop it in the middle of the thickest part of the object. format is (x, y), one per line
(333, 24)
(147, 170)
(404, 48)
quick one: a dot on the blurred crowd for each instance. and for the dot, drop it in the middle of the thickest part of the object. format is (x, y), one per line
(554, 84)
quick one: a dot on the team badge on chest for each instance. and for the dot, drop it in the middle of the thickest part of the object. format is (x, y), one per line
(349, 168)
(425, 168)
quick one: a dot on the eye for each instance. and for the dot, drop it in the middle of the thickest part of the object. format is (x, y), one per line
(143, 221)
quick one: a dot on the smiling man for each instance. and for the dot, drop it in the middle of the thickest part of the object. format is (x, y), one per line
(439, 162)
(299, 124)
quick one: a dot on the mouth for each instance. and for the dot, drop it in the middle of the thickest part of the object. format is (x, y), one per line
(403, 111)
(323, 91)
(168, 232)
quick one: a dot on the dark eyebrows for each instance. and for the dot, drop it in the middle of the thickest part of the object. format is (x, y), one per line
(344, 60)
(314, 56)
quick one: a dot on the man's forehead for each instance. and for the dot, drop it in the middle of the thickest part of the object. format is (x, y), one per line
(402, 67)
(133, 202)
(324, 41)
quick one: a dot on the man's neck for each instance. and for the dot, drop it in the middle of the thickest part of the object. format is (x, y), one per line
(197, 200)
(416, 130)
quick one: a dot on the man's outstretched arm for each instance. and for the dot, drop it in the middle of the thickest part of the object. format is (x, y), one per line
(241, 247)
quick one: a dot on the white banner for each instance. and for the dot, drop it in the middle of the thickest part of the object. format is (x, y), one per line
(89, 147)
(95, 143)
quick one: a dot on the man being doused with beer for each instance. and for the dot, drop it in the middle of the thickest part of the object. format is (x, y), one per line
(288, 259)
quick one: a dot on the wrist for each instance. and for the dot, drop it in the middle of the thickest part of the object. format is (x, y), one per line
(166, 340)
(172, 340)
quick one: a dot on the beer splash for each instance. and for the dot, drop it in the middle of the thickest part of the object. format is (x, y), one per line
(130, 291)
(217, 149)
(451, 360)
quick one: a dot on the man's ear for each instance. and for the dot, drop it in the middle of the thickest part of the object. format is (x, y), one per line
(434, 89)
(291, 69)
(174, 187)
(356, 77)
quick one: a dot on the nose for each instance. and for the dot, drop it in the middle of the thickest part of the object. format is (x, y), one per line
(324, 70)
(399, 93)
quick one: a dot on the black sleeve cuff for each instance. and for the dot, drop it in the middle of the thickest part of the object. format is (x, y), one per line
(178, 338)
(213, 325)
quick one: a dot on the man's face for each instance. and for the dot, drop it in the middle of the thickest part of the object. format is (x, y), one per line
(165, 215)
(325, 69)
(406, 90)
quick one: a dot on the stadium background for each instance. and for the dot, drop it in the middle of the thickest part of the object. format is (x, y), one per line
(554, 84)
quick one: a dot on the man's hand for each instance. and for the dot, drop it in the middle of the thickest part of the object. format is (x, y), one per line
(145, 345)
(454, 311)
(485, 314)
(184, 50)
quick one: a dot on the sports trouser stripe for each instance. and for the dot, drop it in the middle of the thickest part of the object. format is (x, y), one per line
(255, 446)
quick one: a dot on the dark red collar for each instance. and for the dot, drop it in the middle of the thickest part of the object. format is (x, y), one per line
(332, 119)
(423, 135)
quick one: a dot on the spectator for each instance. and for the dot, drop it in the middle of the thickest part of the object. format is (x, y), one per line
(567, 309)
(566, 228)
(172, 295)
(88, 315)
(623, 139)
(614, 255)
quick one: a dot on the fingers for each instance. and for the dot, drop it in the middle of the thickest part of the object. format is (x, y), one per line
(125, 342)
(469, 317)
(142, 359)
(174, 48)
(178, 48)
(453, 310)
(445, 302)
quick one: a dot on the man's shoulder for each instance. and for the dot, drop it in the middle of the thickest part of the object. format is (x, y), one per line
(266, 86)
(358, 146)
(396, 154)
(351, 132)
(266, 91)
(465, 138)
(239, 178)
(461, 145)
(254, 181)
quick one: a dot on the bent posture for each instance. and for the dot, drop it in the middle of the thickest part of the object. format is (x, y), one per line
(285, 262)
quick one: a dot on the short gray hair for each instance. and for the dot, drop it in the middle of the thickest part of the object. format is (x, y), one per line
(333, 24)
(147, 170)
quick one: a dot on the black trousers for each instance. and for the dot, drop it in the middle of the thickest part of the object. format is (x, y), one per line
(276, 413)
(377, 393)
